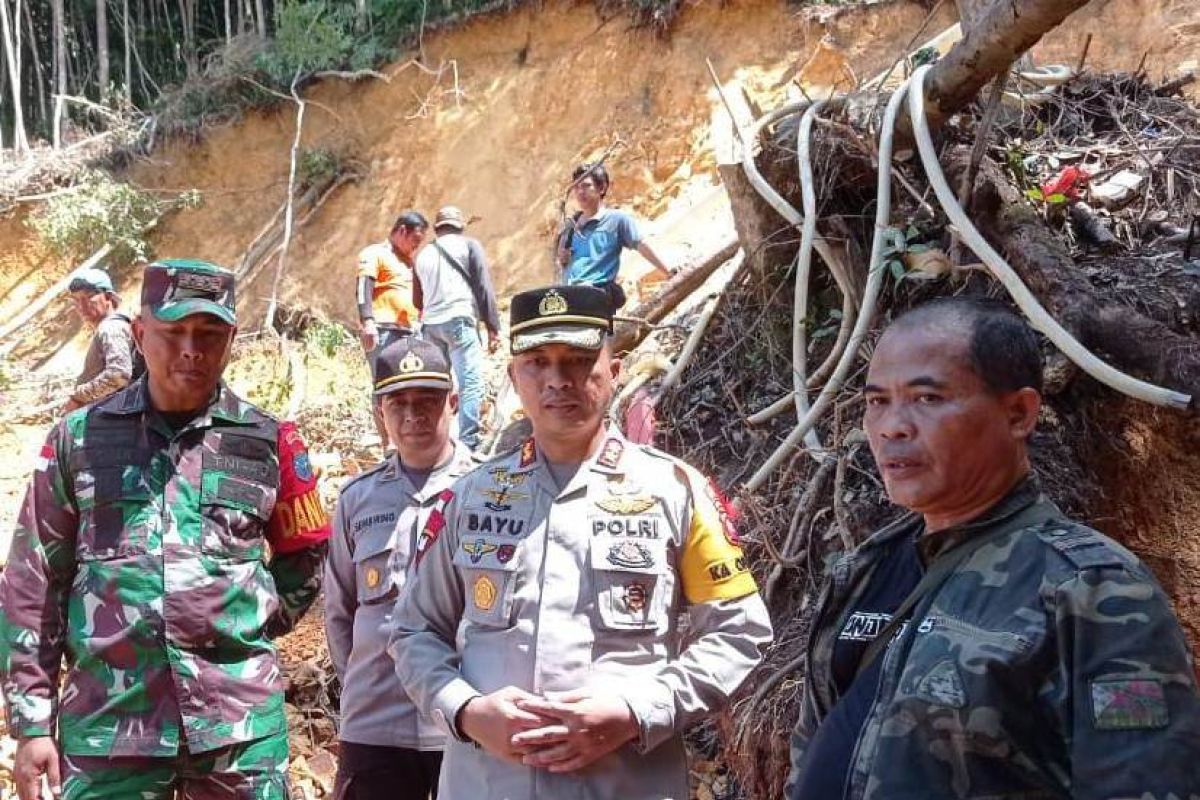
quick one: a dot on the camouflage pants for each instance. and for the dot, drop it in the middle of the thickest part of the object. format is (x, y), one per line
(252, 771)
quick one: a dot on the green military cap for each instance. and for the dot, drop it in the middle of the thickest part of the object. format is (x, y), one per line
(579, 316)
(179, 287)
(412, 363)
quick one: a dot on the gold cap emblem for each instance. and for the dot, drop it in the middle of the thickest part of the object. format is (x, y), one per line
(485, 593)
(552, 303)
(411, 363)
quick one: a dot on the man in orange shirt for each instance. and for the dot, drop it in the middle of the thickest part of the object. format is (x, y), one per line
(384, 291)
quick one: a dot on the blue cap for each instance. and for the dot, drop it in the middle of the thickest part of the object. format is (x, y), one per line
(91, 279)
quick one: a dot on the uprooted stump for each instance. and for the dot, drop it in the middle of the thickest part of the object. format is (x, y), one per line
(1135, 305)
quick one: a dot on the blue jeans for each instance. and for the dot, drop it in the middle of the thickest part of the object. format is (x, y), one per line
(461, 338)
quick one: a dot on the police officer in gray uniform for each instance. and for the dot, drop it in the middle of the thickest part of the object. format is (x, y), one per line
(542, 629)
(387, 749)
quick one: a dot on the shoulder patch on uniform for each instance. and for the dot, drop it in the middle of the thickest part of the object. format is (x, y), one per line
(1128, 704)
(1082, 546)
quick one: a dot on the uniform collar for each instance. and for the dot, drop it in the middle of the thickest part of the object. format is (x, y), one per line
(1025, 493)
(439, 478)
(225, 405)
(609, 459)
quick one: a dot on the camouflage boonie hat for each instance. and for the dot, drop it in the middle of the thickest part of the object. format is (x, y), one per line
(412, 363)
(179, 287)
(579, 316)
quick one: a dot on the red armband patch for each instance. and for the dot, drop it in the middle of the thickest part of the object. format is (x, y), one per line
(433, 525)
(727, 512)
(299, 519)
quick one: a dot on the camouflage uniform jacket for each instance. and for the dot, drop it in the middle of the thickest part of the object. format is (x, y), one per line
(139, 556)
(371, 554)
(108, 365)
(1048, 665)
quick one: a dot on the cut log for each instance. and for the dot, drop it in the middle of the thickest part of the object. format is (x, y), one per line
(752, 217)
(682, 284)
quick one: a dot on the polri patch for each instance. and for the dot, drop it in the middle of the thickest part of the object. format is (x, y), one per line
(1128, 704)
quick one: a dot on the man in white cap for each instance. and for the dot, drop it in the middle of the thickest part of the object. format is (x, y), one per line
(455, 296)
(109, 363)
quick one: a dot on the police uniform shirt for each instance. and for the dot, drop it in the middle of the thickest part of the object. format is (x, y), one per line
(371, 554)
(583, 587)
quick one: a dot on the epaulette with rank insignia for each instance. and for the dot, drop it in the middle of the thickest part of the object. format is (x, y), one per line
(1080, 545)
(364, 474)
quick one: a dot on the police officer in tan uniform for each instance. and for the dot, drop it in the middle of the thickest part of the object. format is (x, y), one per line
(387, 749)
(542, 628)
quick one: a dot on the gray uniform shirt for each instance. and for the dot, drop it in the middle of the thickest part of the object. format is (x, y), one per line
(551, 590)
(108, 365)
(379, 516)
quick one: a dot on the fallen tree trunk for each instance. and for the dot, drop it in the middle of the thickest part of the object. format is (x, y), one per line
(1134, 342)
(683, 283)
(994, 41)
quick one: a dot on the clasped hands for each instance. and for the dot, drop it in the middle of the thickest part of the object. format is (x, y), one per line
(559, 732)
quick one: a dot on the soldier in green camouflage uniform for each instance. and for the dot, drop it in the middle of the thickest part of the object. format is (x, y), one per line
(984, 645)
(140, 556)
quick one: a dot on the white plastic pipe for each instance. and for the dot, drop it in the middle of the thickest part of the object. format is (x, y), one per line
(875, 273)
(1038, 316)
(808, 232)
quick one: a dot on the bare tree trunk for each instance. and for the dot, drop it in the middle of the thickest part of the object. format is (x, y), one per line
(363, 21)
(59, 33)
(261, 19)
(187, 13)
(43, 108)
(228, 24)
(20, 142)
(103, 74)
(128, 47)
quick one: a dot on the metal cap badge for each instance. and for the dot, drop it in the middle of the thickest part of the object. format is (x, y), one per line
(579, 316)
(412, 363)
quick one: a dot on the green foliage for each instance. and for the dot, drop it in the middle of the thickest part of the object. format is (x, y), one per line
(97, 211)
(317, 165)
(1056, 199)
(326, 338)
(310, 35)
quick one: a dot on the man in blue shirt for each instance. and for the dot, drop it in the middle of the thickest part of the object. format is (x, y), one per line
(589, 248)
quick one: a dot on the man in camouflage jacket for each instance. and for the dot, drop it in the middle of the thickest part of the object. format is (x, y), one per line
(139, 557)
(984, 645)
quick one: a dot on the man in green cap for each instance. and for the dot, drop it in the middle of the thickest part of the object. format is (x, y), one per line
(140, 556)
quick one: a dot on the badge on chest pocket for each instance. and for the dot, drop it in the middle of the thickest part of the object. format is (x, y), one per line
(488, 565)
(632, 582)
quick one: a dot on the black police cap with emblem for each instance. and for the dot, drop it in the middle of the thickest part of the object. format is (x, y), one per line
(579, 316)
(412, 363)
